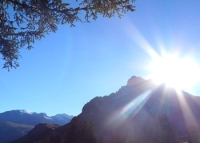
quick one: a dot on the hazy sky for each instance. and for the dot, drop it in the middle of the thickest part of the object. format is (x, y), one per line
(68, 68)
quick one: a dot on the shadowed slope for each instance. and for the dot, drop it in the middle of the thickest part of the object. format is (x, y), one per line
(11, 131)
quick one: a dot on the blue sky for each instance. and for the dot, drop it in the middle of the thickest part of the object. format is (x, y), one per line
(68, 68)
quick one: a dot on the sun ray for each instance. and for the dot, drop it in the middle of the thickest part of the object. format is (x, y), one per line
(134, 106)
(186, 111)
(138, 39)
(179, 72)
(131, 109)
(172, 68)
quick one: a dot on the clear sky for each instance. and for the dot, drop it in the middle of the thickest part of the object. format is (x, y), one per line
(68, 68)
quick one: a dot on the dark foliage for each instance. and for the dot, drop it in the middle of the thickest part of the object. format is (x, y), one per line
(80, 132)
(193, 134)
(24, 21)
(39, 134)
(12, 131)
(146, 128)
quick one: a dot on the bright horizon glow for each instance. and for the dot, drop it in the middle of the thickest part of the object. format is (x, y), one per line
(180, 73)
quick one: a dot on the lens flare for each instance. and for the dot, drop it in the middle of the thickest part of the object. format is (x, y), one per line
(131, 109)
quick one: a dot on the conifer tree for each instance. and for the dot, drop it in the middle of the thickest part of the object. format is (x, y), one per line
(24, 21)
(193, 134)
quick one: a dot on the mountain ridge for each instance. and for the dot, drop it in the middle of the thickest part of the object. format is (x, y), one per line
(33, 118)
(138, 99)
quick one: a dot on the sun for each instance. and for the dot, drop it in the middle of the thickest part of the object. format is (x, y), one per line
(175, 72)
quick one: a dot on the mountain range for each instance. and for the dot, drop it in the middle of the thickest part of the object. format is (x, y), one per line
(138, 112)
(17, 123)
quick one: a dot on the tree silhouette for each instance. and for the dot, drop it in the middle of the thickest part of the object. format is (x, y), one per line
(80, 132)
(24, 21)
(145, 127)
(193, 134)
(72, 135)
(166, 132)
(87, 132)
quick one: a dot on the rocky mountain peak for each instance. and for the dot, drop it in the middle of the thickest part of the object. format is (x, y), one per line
(135, 80)
(121, 112)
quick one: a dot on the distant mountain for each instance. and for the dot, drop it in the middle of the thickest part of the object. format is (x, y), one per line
(17, 123)
(33, 118)
(11, 131)
(138, 112)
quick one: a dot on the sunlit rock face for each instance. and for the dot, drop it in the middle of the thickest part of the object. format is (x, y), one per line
(137, 105)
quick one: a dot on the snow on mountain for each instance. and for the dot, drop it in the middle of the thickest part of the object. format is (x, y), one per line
(62, 117)
(32, 118)
(25, 112)
(17, 123)
(48, 118)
